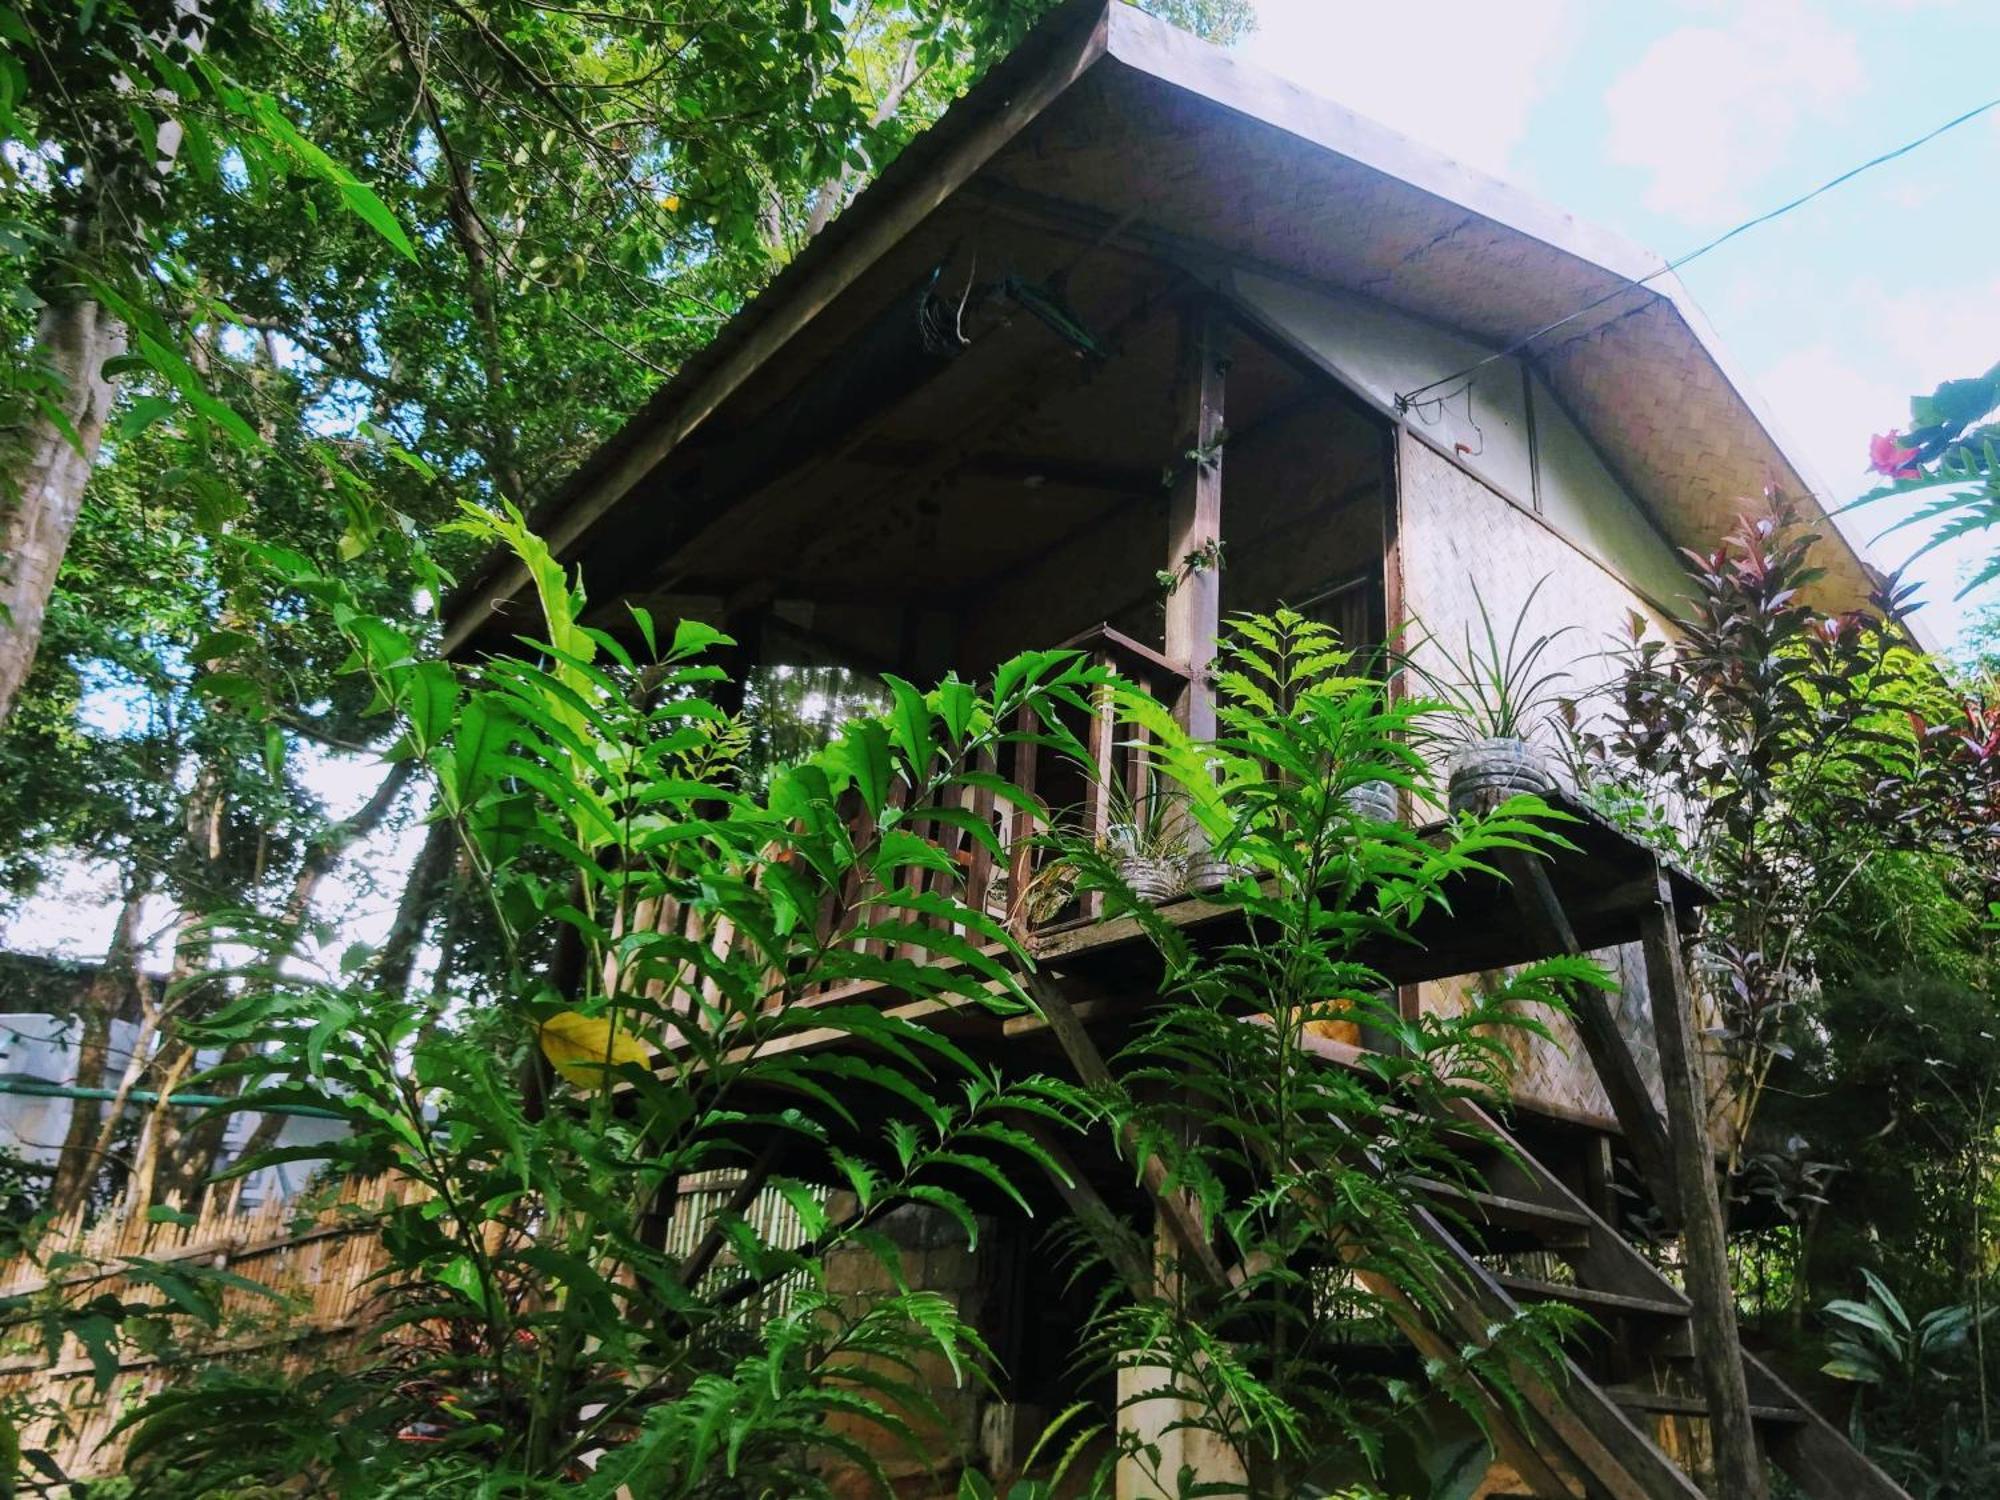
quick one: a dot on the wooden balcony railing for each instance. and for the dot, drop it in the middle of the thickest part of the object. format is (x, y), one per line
(1028, 888)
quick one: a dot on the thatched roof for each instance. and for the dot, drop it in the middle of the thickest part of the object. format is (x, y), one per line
(1106, 117)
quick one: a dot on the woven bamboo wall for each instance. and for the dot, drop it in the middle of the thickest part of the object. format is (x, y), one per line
(1457, 532)
(318, 1256)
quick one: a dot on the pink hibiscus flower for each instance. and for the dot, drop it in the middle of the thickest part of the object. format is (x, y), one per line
(1887, 455)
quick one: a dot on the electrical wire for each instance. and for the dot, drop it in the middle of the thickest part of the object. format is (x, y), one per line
(1404, 400)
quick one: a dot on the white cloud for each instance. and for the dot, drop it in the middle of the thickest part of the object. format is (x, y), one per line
(1829, 407)
(1459, 75)
(1829, 397)
(1708, 110)
(1939, 335)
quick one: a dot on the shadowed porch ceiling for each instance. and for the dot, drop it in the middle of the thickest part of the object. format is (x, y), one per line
(1119, 163)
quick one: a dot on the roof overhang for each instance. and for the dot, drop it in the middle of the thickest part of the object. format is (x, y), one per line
(1115, 119)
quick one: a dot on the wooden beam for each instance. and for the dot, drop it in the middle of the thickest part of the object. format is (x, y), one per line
(1176, 1212)
(1813, 1451)
(1617, 1069)
(1073, 1186)
(1060, 471)
(1718, 1352)
(716, 1235)
(1004, 103)
(1194, 513)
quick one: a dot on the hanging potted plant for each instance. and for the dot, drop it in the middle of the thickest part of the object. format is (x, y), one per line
(1497, 694)
(1373, 801)
(1147, 841)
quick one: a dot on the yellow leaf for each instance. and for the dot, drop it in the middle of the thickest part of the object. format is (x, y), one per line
(671, 203)
(582, 1047)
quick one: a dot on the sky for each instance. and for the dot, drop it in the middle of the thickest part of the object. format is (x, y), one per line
(1671, 122)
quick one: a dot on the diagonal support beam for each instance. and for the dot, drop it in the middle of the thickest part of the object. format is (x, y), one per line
(1083, 1201)
(1172, 1204)
(1645, 1133)
(1718, 1353)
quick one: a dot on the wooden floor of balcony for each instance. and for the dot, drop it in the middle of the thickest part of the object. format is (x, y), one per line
(1595, 894)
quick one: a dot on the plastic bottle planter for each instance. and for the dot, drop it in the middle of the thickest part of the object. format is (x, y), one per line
(1486, 772)
(1210, 872)
(1373, 801)
(1152, 880)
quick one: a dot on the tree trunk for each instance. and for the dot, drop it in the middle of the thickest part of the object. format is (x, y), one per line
(481, 247)
(426, 888)
(188, 1152)
(159, 1135)
(76, 336)
(99, 1005)
(334, 842)
(187, 1155)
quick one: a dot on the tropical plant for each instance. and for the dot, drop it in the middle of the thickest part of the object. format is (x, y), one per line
(1496, 690)
(1908, 1366)
(1950, 446)
(676, 947)
(1777, 738)
(1301, 1168)
(1151, 825)
(1881, 1346)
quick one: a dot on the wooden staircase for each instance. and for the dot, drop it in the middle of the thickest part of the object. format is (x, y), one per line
(1521, 1236)
(1637, 1365)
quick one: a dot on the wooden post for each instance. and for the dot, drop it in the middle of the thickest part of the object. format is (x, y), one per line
(1021, 827)
(1194, 513)
(1097, 797)
(1718, 1353)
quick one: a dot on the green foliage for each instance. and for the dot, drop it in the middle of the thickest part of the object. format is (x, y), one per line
(1880, 1345)
(1951, 446)
(1302, 1167)
(1223, 22)
(1780, 741)
(1909, 1370)
(1837, 789)
(593, 791)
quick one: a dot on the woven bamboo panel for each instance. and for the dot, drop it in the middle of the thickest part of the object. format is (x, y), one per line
(319, 1258)
(1458, 534)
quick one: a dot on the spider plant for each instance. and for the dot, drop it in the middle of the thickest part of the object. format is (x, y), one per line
(1147, 834)
(1496, 691)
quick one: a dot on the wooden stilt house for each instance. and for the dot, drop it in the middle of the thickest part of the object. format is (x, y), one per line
(1131, 303)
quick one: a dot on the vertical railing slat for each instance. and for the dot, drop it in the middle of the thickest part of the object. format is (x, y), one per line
(1020, 837)
(979, 873)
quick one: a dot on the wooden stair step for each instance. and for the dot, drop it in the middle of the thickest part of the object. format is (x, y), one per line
(1673, 1403)
(1590, 1298)
(1443, 1126)
(1480, 1206)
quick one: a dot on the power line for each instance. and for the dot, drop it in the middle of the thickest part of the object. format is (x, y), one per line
(1405, 400)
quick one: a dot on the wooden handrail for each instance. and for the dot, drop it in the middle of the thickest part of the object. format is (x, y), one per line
(1115, 643)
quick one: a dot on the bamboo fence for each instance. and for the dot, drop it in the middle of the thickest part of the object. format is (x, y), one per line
(319, 1256)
